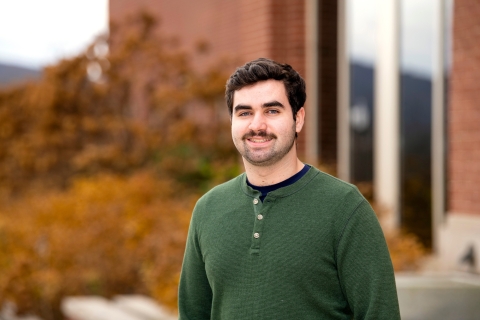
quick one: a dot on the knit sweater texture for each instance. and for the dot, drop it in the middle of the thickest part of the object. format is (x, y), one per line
(311, 250)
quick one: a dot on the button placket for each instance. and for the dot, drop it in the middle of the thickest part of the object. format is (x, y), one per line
(257, 207)
(260, 210)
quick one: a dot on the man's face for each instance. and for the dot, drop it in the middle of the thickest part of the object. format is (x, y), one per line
(263, 129)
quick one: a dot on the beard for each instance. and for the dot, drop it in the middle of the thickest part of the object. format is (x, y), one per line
(266, 157)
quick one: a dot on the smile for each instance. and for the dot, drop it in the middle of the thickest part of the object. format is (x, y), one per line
(259, 140)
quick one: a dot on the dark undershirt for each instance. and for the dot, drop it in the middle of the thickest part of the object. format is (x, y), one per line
(264, 190)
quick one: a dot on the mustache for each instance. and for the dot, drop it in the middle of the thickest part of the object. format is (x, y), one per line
(262, 134)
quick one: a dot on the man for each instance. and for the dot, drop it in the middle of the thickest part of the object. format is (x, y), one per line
(282, 240)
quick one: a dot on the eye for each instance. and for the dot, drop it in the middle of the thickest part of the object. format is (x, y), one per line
(272, 111)
(244, 114)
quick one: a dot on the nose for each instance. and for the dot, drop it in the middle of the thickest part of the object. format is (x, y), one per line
(258, 122)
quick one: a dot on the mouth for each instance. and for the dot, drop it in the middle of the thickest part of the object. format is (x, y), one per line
(259, 139)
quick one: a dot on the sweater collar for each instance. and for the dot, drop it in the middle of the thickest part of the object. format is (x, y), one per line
(280, 192)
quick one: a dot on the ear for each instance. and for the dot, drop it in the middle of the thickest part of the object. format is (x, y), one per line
(300, 119)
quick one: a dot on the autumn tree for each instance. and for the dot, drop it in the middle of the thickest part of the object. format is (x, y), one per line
(142, 104)
(101, 162)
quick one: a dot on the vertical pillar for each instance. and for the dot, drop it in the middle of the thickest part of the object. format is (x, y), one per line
(312, 151)
(343, 85)
(387, 113)
(438, 124)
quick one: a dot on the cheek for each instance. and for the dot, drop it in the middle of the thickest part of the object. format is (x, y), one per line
(238, 125)
(288, 127)
(235, 129)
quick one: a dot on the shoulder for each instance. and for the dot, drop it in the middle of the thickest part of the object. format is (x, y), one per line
(221, 193)
(331, 198)
(333, 188)
(227, 188)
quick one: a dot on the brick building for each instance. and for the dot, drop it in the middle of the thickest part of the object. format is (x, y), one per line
(378, 107)
(461, 224)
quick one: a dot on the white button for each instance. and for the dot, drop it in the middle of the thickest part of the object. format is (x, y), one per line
(256, 235)
(259, 217)
(255, 201)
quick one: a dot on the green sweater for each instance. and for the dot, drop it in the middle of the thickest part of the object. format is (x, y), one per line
(311, 250)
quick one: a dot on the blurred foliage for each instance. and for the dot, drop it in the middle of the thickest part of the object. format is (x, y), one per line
(406, 250)
(100, 165)
(141, 104)
(106, 235)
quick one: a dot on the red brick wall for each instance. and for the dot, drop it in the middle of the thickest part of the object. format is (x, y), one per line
(288, 40)
(464, 110)
(246, 29)
(214, 21)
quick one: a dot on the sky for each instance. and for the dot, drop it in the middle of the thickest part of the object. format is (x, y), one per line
(362, 28)
(36, 33)
(416, 30)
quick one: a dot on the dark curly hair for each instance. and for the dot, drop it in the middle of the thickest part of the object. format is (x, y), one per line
(264, 69)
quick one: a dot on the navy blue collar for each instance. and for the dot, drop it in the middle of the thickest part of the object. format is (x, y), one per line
(264, 190)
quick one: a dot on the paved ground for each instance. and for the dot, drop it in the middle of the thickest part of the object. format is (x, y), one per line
(439, 296)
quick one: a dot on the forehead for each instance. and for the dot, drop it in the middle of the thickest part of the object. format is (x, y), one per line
(261, 92)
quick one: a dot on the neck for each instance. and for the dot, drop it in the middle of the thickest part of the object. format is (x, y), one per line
(269, 175)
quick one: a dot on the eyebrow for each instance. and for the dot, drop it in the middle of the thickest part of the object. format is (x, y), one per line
(242, 107)
(273, 103)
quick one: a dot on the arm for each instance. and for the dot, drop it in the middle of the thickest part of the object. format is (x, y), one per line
(195, 294)
(365, 268)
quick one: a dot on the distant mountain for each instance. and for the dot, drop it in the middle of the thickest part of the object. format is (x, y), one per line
(10, 74)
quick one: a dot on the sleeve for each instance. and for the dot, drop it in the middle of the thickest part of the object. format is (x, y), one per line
(365, 268)
(195, 294)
